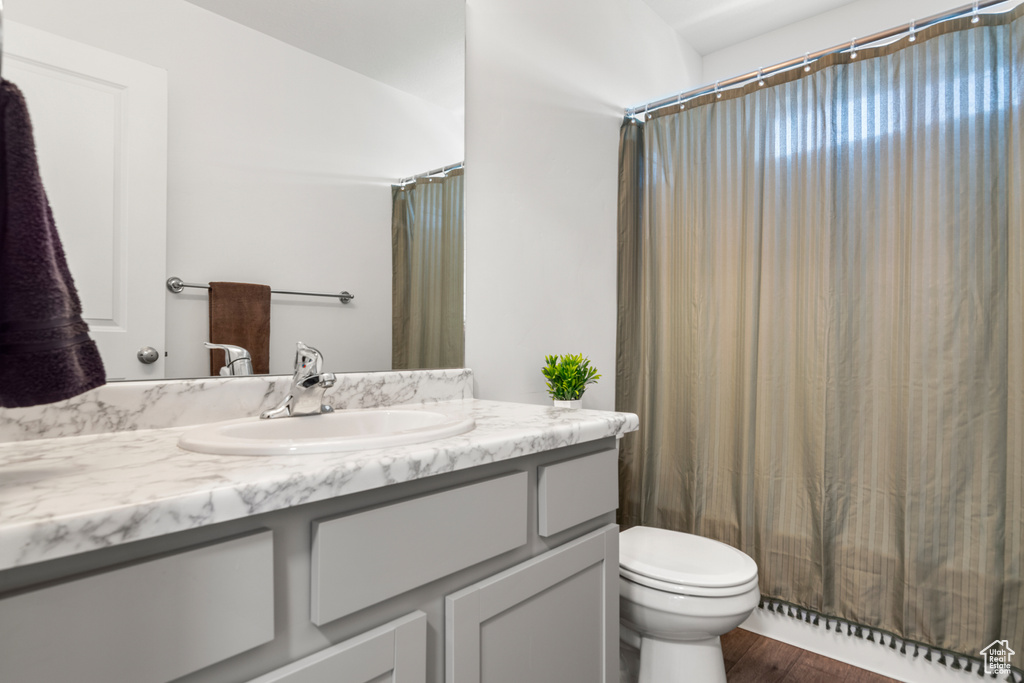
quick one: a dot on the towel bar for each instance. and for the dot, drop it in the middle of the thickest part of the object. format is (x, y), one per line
(176, 285)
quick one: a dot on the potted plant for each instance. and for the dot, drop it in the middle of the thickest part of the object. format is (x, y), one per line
(568, 377)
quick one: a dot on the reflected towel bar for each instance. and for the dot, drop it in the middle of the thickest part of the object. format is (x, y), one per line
(176, 285)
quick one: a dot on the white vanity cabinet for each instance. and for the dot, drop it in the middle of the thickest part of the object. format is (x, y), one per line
(498, 573)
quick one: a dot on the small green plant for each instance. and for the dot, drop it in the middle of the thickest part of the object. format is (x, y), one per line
(568, 376)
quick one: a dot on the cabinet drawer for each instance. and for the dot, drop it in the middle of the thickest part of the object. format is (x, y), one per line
(395, 653)
(149, 622)
(364, 558)
(574, 491)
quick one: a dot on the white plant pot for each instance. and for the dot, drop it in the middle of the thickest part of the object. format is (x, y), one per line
(569, 404)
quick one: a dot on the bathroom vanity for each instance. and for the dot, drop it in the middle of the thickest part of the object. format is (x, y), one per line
(489, 556)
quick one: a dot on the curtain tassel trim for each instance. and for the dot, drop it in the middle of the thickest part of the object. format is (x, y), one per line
(954, 660)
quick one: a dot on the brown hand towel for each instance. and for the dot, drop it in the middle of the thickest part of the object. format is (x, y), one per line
(46, 354)
(240, 315)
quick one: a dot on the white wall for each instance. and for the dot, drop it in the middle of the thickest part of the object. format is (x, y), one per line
(279, 172)
(546, 84)
(860, 18)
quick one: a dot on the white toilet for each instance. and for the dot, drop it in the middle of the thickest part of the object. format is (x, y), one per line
(677, 594)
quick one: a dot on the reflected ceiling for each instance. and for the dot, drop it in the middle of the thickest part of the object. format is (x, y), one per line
(416, 46)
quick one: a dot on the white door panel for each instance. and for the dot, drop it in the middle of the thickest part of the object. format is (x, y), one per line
(100, 123)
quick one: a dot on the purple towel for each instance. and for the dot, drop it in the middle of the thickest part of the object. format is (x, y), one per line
(46, 354)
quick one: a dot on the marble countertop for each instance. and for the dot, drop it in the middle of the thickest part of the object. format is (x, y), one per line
(63, 496)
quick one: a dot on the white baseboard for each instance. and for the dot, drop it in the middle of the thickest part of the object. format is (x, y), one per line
(857, 652)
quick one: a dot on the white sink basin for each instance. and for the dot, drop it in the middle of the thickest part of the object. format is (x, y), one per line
(345, 430)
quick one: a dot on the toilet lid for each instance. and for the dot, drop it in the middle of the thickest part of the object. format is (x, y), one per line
(683, 559)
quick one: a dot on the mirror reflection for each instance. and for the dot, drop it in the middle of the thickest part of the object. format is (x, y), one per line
(257, 143)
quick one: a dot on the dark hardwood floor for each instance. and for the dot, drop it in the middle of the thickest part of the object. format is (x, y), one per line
(750, 658)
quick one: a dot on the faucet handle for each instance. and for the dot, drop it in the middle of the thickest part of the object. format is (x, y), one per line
(308, 361)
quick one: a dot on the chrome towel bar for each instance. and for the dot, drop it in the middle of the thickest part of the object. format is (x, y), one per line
(176, 285)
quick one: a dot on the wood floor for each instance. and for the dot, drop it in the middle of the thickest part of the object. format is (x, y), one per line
(750, 658)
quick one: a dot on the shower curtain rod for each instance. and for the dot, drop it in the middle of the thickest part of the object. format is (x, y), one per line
(866, 41)
(443, 169)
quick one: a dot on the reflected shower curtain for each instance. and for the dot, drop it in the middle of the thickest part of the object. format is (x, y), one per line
(427, 276)
(821, 326)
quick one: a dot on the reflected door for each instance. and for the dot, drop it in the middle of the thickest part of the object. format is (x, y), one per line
(100, 123)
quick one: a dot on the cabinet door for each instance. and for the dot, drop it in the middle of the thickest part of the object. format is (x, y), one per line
(553, 619)
(394, 653)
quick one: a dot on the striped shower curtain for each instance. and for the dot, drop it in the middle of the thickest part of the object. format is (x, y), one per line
(821, 326)
(427, 240)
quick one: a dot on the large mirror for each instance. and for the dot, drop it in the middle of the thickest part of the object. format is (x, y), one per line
(250, 141)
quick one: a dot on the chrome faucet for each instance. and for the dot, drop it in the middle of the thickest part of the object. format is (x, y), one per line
(237, 360)
(308, 386)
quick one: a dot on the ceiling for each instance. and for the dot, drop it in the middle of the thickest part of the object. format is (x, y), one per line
(710, 25)
(417, 46)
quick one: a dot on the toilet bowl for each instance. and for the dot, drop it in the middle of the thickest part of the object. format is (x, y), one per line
(677, 594)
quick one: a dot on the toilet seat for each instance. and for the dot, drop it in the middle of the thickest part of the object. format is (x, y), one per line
(684, 564)
(682, 589)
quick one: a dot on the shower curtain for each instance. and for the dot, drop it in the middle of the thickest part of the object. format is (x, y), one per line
(821, 326)
(427, 273)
